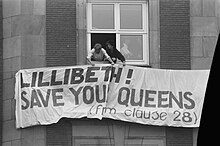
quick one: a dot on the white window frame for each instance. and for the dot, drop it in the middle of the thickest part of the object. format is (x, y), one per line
(144, 31)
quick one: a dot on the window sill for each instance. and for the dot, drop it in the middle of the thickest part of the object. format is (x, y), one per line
(138, 65)
(142, 65)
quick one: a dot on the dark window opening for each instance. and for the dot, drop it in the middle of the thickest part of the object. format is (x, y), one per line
(102, 38)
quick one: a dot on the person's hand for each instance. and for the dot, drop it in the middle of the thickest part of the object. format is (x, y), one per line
(112, 63)
(92, 64)
(114, 59)
(123, 63)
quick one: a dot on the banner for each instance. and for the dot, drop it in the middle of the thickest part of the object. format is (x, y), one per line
(127, 93)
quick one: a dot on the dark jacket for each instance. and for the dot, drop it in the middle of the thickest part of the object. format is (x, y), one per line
(115, 54)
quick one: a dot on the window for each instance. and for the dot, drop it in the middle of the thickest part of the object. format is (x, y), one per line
(104, 14)
(125, 22)
(131, 16)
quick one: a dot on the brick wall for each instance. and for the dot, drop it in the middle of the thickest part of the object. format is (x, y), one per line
(59, 133)
(61, 32)
(175, 34)
(60, 51)
(175, 53)
(177, 136)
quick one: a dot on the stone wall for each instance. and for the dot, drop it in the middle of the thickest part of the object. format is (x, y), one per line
(23, 47)
(205, 24)
(154, 34)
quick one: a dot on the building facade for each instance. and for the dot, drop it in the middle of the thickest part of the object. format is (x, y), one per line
(166, 34)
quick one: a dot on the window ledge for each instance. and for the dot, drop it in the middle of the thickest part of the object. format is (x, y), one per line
(138, 65)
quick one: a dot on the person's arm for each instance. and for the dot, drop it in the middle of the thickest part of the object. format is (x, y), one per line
(110, 60)
(90, 62)
(107, 56)
(88, 58)
(120, 56)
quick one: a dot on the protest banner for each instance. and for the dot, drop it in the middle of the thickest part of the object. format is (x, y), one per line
(134, 94)
(157, 96)
(44, 95)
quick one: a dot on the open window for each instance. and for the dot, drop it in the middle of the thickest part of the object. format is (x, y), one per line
(125, 22)
(102, 38)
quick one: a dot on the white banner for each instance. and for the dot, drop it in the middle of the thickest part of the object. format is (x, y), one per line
(133, 94)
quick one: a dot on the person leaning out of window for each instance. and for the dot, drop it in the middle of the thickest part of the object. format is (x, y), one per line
(98, 54)
(113, 52)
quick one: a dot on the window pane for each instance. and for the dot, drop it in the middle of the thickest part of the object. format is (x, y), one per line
(132, 47)
(131, 16)
(103, 16)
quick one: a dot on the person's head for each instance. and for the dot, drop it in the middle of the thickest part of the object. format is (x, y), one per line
(97, 47)
(110, 44)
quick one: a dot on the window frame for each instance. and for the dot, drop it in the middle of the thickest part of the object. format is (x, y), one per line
(118, 31)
